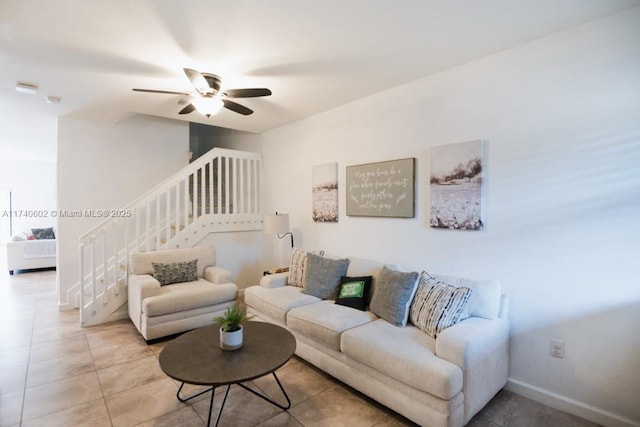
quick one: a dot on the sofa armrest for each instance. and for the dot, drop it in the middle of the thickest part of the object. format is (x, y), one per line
(217, 275)
(140, 286)
(480, 347)
(144, 285)
(276, 280)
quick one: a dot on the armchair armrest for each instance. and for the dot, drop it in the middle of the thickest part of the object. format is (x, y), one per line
(144, 285)
(217, 275)
(140, 286)
(276, 280)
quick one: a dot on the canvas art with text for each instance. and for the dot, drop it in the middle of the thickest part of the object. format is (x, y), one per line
(456, 185)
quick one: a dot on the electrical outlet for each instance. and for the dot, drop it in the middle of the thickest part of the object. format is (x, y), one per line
(557, 348)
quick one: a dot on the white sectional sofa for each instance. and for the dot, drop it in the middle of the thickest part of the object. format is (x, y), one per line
(442, 381)
(27, 251)
(31, 254)
(158, 310)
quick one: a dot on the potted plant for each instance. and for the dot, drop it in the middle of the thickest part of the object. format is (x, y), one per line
(231, 337)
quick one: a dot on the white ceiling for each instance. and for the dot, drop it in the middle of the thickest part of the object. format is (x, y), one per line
(313, 55)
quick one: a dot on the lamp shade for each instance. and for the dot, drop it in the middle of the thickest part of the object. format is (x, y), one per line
(276, 223)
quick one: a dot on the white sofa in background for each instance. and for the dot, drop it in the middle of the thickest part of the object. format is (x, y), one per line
(158, 311)
(25, 254)
(442, 381)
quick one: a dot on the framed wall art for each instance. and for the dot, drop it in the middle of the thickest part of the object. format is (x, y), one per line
(324, 192)
(381, 189)
(456, 184)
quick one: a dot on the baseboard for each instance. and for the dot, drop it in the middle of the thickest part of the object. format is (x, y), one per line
(571, 406)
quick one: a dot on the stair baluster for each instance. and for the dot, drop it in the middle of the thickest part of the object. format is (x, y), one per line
(218, 192)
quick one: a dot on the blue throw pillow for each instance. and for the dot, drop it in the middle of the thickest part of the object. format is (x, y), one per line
(322, 276)
(393, 294)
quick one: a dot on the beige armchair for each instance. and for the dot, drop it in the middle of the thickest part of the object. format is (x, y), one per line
(161, 310)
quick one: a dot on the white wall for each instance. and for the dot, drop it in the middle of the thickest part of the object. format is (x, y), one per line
(562, 119)
(106, 166)
(33, 188)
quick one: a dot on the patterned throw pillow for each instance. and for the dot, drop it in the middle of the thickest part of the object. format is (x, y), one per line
(322, 276)
(354, 292)
(43, 233)
(296, 268)
(437, 305)
(392, 296)
(175, 272)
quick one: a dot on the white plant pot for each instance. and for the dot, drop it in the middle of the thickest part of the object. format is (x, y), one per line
(231, 340)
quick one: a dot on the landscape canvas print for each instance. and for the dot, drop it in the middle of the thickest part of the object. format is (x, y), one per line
(324, 193)
(456, 184)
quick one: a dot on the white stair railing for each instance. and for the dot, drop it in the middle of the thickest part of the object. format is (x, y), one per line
(219, 192)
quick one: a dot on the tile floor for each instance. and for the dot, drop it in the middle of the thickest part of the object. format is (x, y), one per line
(54, 373)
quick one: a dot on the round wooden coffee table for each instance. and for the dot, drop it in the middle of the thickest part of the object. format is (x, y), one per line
(196, 358)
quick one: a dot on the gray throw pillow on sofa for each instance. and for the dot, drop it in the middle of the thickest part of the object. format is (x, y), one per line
(393, 294)
(322, 276)
(176, 272)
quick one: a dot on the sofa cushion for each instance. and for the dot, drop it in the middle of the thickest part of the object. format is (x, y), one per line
(406, 354)
(185, 296)
(276, 302)
(175, 272)
(354, 292)
(485, 296)
(325, 321)
(393, 294)
(322, 276)
(437, 305)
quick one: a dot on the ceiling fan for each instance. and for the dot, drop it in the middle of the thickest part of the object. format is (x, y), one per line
(208, 99)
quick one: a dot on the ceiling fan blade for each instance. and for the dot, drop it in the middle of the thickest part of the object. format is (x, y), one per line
(169, 92)
(198, 81)
(247, 93)
(188, 109)
(234, 106)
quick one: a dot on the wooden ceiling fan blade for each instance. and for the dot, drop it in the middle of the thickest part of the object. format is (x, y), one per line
(188, 109)
(198, 81)
(234, 106)
(168, 92)
(247, 93)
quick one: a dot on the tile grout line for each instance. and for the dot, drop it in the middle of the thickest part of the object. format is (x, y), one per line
(95, 370)
(26, 375)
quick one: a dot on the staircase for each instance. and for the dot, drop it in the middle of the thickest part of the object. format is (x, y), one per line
(219, 192)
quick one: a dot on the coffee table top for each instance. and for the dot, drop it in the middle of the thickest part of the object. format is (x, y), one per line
(196, 357)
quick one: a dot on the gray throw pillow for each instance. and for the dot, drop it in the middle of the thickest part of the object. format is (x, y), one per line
(176, 272)
(322, 276)
(43, 233)
(393, 294)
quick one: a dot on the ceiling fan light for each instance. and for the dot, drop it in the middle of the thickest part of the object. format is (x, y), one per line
(207, 105)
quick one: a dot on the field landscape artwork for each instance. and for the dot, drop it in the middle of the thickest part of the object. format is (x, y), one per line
(324, 192)
(456, 186)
